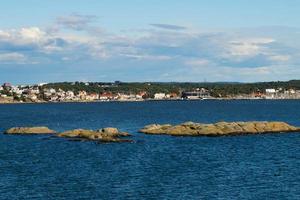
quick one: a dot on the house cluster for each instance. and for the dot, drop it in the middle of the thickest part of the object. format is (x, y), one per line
(59, 96)
(280, 93)
(20, 92)
(53, 95)
(270, 93)
(164, 96)
(36, 93)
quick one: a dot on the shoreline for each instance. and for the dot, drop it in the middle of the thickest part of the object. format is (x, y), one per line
(151, 100)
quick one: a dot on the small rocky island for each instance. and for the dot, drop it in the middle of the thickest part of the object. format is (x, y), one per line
(101, 135)
(185, 129)
(219, 129)
(29, 130)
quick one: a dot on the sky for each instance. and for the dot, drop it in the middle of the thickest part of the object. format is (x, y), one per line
(153, 40)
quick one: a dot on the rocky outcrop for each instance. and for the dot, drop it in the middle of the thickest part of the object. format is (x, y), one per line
(220, 129)
(102, 135)
(29, 131)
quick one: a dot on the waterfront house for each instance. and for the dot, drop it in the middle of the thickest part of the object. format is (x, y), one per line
(142, 94)
(69, 95)
(92, 97)
(271, 93)
(199, 93)
(32, 97)
(49, 91)
(105, 96)
(127, 97)
(159, 96)
(16, 90)
(82, 95)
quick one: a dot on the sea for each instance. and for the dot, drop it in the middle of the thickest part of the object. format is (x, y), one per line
(152, 166)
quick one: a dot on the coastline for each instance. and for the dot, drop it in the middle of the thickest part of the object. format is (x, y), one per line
(152, 100)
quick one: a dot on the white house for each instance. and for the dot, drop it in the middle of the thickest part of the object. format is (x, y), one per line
(159, 96)
(270, 91)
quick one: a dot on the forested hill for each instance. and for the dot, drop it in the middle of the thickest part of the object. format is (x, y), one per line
(216, 89)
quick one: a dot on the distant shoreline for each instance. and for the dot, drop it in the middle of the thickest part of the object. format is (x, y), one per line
(148, 100)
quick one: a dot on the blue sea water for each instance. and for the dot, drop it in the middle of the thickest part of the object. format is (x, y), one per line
(152, 167)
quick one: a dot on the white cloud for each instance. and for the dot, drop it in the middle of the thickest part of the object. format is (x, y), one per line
(245, 74)
(26, 35)
(147, 57)
(197, 62)
(248, 47)
(244, 49)
(12, 57)
(254, 40)
(280, 58)
(4, 34)
(32, 34)
(35, 41)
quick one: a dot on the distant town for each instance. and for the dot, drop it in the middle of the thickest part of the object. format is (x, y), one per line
(119, 91)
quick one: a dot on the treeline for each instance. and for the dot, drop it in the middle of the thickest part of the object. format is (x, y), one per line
(216, 89)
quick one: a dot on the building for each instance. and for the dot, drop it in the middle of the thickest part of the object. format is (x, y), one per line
(290, 91)
(32, 97)
(159, 96)
(257, 94)
(270, 93)
(17, 91)
(199, 93)
(82, 95)
(92, 97)
(105, 96)
(49, 91)
(70, 94)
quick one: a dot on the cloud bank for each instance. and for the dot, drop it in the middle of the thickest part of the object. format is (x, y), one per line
(74, 48)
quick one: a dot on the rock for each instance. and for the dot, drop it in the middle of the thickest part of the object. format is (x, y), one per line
(110, 130)
(29, 130)
(156, 128)
(220, 129)
(102, 135)
(114, 132)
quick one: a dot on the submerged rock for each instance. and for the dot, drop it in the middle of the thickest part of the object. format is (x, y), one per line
(29, 130)
(102, 135)
(220, 129)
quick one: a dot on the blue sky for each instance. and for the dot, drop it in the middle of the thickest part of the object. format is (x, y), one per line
(136, 40)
